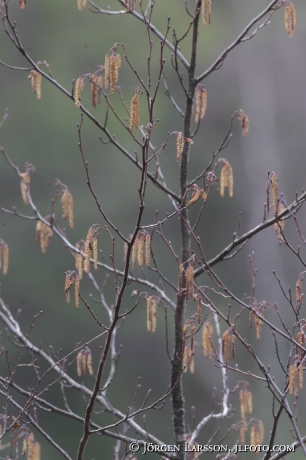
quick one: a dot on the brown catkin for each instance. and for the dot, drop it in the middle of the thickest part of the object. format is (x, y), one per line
(99, 88)
(197, 106)
(249, 402)
(293, 380)
(115, 64)
(188, 360)
(274, 183)
(118, 59)
(67, 207)
(4, 257)
(281, 208)
(184, 332)
(298, 292)
(38, 228)
(38, 85)
(301, 376)
(67, 287)
(24, 192)
(203, 103)
(79, 265)
(96, 89)
(79, 363)
(81, 4)
(30, 446)
(64, 202)
(141, 241)
(154, 316)
(226, 339)
(70, 211)
(206, 12)
(230, 180)
(35, 78)
(280, 225)
(261, 432)
(179, 145)
(95, 252)
(113, 74)
(79, 261)
(258, 325)
(207, 336)
(84, 362)
(35, 451)
(89, 362)
(223, 180)
(149, 318)
(192, 337)
(88, 249)
(189, 282)
(245, 403)
(25, 177)
(43, 235)
(185, 359)
(47, 234)
(25, 186)
(199, 309)
(24, 446)
(226, 179)
(135, 252)
(192, 362)
(300, 338)
(32, 77)
(290, 19)
(79, 85)
(43, 238)
(134, 116)
(148, 249)
(200, 102)
(244, 121)
(196, 194)
(233, 345)
(77, 291)
(106, 71)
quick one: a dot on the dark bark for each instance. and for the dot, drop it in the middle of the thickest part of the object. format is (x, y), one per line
(178, 402)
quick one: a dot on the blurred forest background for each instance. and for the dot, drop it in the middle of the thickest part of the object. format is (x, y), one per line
(264, 76)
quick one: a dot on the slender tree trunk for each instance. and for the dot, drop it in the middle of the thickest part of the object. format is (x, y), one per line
(178, 402)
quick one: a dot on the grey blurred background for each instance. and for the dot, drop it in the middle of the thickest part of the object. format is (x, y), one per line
(264, 76)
